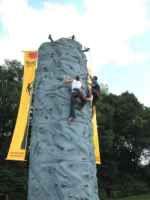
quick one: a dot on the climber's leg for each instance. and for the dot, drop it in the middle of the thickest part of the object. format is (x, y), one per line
(72, 104)
(84, 99)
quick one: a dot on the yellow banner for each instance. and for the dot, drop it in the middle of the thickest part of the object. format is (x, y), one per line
(94, 124)
(17, 150)
(95, 137)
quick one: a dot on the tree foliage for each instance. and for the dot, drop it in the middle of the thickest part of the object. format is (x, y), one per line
(12, 174)
(124, 130)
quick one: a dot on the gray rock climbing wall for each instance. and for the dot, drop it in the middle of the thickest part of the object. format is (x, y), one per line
(62, 162)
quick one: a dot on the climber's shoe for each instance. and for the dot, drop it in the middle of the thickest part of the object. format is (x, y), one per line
(71, 119)
(88, 99)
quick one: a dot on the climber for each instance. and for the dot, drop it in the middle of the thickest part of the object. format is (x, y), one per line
(29, 88)
(95, 89)
(76, 92)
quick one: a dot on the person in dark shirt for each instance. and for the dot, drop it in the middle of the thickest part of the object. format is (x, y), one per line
(95, 89)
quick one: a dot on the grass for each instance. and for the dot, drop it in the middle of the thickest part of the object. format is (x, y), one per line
(140, 197)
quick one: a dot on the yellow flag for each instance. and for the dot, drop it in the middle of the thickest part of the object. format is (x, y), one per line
(94, 127)
(95, 137)
(17, 150)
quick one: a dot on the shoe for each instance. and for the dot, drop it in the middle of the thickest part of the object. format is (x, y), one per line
(88, 99)
(81, 110)
(71, 119)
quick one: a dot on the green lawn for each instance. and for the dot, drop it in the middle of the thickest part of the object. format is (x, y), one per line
(140, 197)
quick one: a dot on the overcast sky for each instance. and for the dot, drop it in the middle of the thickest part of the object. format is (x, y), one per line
(117, 31)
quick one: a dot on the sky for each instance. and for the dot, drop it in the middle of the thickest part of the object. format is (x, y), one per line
(117, 32)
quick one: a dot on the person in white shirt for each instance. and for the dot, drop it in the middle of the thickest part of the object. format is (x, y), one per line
(76, 91)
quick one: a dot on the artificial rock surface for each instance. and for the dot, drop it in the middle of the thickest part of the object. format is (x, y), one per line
(62, 162)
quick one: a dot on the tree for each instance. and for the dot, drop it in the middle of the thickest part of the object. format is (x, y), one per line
(124, 125)
(104, 89)
(10, 87)
(13, 175)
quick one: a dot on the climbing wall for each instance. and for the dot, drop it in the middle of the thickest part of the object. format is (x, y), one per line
(62, 162)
